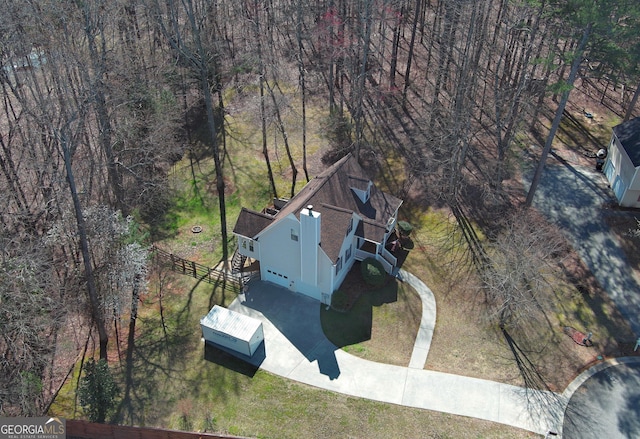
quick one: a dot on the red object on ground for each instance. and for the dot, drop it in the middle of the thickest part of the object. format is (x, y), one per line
(578, 336)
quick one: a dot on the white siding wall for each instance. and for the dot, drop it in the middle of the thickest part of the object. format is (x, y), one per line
(622, 163)
(349, 245)
(280, 254)
(635, 180)
(625, 178)
(280, 260)
(324, 290)
(310, 223)
(632, 195)
(248, 247)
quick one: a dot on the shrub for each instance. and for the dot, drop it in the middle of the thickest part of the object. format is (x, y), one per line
(373, 272)
(340, 300)
(97, 390)
(404, 228)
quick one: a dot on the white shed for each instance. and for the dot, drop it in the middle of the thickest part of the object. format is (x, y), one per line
(622, 167)
(232, 330)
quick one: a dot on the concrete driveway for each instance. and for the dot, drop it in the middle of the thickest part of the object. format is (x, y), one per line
(606, 404)
(296, 348)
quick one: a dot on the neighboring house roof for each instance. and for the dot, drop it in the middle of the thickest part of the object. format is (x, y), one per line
(628, 133)
(330, 194)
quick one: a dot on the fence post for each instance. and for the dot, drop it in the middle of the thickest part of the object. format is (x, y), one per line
(193, 269)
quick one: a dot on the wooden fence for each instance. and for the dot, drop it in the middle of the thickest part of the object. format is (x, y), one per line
(83, 429)
(201, 272)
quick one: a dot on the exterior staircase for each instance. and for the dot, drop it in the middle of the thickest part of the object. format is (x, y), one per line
(237, 262)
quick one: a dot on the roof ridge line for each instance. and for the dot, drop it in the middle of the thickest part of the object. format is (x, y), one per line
(338, 208)
(325, 176)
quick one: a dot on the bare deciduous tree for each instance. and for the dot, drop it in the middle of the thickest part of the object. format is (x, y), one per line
(518, 269)
(31, 312)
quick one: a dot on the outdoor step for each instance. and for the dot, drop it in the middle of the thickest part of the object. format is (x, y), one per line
(237, 262)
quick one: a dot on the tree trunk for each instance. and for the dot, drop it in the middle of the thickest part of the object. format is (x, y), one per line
(358, 100)
(303, 89)
(559, 112)
(94, 300)
(220, 184)
(97, 85)
(285, 138)
(414, 29)
(263, 116)
(632, 104)
(394, 50)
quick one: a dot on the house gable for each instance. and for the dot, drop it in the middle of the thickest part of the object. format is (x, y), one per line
(361, 187)
(628, 134)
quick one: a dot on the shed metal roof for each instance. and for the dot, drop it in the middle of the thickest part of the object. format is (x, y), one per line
(230, 322)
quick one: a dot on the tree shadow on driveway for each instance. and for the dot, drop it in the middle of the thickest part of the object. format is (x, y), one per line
(297, 318)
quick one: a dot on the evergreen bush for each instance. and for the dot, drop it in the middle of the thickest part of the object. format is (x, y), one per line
(373, 272)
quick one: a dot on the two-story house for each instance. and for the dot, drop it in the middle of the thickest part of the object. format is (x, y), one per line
(310, 242)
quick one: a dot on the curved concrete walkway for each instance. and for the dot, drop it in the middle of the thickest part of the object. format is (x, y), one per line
(295, 347)
(427, 322)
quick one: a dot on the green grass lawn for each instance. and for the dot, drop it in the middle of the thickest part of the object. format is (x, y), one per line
(174, 382)
(381, 326)
(171, 381)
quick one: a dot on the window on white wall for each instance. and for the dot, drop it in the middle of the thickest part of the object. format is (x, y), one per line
(338, 265)
(250, 246)
(347, 256)
(294, 235)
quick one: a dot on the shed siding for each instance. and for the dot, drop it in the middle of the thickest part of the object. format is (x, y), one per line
(232, 330)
